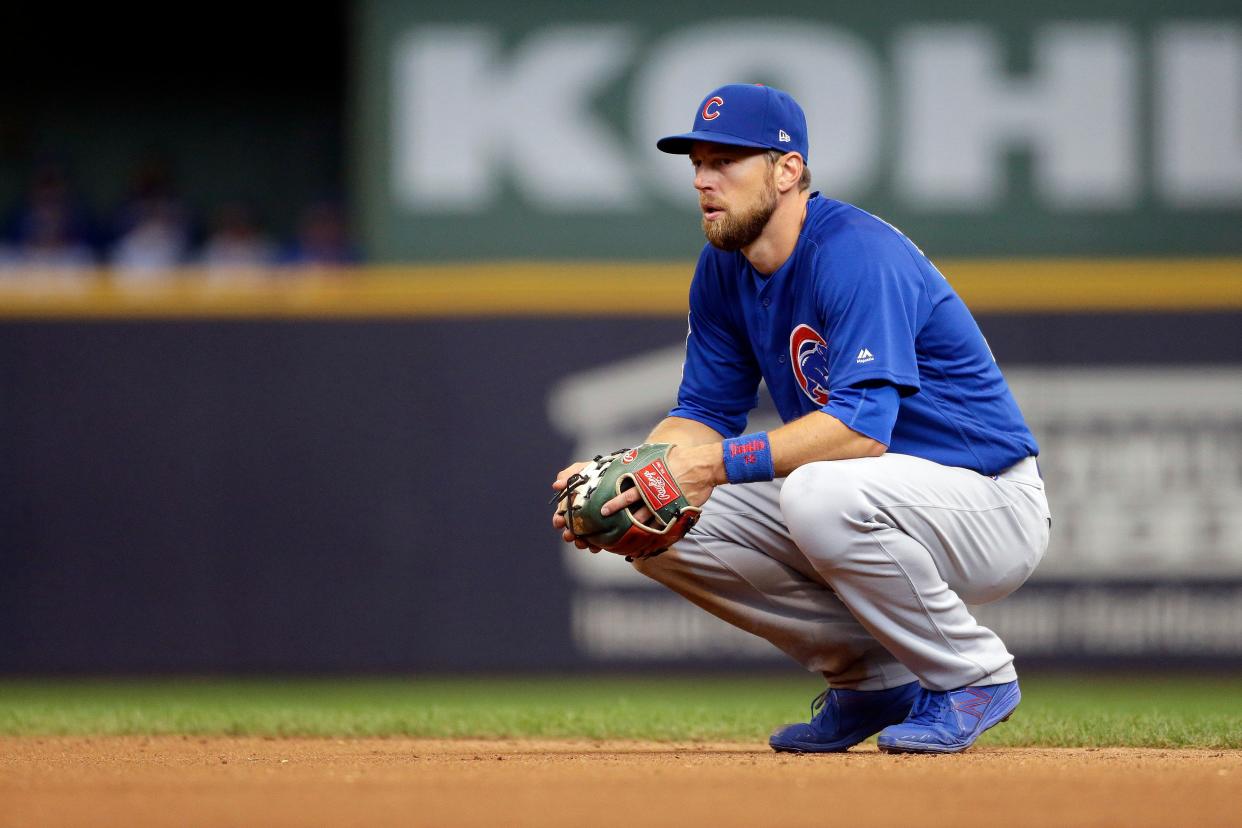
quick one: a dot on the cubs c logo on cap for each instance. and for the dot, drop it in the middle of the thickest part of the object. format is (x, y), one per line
(710, 114)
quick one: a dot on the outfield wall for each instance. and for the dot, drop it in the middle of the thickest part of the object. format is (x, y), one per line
(349, 472)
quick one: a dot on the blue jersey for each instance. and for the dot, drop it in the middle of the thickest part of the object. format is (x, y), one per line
(855, 305)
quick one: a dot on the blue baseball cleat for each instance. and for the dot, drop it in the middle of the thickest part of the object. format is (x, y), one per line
(949, 721)
(841, 719)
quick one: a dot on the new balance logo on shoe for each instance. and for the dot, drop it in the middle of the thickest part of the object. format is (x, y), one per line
(864, 356)
(975, 702)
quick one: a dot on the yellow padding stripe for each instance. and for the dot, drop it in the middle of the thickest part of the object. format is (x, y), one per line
(528, 289)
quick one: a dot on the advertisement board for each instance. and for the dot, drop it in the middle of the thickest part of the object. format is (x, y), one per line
(502, 132)
(1143, 466)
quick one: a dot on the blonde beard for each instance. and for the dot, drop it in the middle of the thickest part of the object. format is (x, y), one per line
(730, 232)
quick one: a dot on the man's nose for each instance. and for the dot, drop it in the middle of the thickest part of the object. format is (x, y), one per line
(702, 181)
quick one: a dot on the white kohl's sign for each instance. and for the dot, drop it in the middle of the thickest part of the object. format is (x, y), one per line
(1109, 116)
(506, 132)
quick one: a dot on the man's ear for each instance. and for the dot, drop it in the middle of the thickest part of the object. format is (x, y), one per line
(788, 172)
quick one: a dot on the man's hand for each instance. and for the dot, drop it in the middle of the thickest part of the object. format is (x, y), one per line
(642, 514)
(558, 521)
(697, 469)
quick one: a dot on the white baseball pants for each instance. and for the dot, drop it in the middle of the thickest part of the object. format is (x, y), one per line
(863, 569)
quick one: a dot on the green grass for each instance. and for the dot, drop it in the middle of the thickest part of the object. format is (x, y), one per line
(1056, 711)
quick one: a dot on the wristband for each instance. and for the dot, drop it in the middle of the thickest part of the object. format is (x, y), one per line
(748, 459)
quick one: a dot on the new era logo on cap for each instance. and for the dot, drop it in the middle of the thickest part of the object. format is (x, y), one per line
(743, 115)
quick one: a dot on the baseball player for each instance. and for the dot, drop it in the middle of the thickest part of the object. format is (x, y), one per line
(903, 484)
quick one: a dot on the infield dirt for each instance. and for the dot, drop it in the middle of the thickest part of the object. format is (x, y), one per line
(190, 781)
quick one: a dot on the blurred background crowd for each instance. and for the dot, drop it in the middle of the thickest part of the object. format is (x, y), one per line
(145, 155)
(155, 229)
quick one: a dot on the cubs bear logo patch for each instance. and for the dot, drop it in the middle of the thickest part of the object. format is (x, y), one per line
(808, 359)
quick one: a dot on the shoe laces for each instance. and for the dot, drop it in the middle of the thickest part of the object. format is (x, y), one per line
(818, 702)
(928, 707)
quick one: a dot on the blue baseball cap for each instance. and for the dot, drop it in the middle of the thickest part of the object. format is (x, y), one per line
(745, 115)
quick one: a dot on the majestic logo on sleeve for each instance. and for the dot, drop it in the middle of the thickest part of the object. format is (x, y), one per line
(808, 357)
(710, 114)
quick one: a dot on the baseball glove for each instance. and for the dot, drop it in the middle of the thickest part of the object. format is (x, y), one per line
(607, 476)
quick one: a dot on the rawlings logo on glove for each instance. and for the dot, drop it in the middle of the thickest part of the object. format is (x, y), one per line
(607, 476)
(657, 484)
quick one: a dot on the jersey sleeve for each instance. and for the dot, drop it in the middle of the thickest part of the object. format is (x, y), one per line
(720, 378)
(867, 408)
(873, 297)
